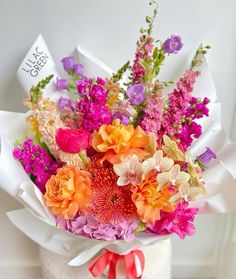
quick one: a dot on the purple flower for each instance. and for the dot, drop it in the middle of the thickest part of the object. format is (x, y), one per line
(68, 63)
(78, 69)
(61, 84)
(64, 103)
(87, 226)
(207, 156)
(124, 119)
(173, 44)
(135, 94)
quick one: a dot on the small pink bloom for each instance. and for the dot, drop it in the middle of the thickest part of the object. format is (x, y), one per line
(73, 141)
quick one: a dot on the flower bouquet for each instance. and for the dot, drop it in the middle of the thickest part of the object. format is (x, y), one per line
(108, 165)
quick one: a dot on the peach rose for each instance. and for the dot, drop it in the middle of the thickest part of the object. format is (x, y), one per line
(68, 192)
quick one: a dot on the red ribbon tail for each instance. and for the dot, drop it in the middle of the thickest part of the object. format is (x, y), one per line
(98, 265)
(131, 264)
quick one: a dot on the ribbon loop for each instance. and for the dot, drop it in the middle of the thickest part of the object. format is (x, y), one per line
(110, 259)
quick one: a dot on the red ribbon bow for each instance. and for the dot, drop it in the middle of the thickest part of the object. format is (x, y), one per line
(108, 258)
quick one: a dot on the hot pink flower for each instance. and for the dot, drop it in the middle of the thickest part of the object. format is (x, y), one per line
(72, 141)
(179, 221)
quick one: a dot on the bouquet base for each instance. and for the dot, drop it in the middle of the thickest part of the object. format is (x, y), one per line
(157, 264)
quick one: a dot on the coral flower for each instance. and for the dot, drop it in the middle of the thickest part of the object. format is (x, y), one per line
(110, 203)
(117, 141)
(149, 201)
(68, 192)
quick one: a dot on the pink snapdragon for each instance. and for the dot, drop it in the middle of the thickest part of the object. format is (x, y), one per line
(143, 51)
(178, 102)
(152, 117)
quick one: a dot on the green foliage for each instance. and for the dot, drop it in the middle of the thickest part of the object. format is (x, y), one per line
(36, 91)
(119, 74)
(141, 227)
(200, 51)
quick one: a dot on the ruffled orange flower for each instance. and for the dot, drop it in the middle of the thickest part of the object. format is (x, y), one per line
(68, 192)
(149, 201)
(118, 141)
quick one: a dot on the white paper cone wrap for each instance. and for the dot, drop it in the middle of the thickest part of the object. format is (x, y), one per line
(40, 226)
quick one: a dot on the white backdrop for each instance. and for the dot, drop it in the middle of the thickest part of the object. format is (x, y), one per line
(109, 29)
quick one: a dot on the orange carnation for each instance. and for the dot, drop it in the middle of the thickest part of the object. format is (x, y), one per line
(68, 192)
(117, 141)
(149, 201)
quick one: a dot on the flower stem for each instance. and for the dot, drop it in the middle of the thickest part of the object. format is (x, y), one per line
(82, 157)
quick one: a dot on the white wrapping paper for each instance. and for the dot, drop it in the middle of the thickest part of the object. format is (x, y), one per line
(39, 224)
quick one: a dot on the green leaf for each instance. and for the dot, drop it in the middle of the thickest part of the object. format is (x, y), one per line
(145, 64)
(141, 227)
(148, 19)
(155, 53)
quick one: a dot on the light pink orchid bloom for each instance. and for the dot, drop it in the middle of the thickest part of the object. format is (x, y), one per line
(174, 177)
(158, 162)
(129, 171)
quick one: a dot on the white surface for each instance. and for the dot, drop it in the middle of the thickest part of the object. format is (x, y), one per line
(109, 29)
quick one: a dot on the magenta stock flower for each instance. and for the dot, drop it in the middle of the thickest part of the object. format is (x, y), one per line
(83, 86)
(93, 104)
(68, 63)
(94, 114)
(61, 84)
(173, 44)
(101, 81)
(179, 221)
(36, 162)
(98, 94)
(135, 93)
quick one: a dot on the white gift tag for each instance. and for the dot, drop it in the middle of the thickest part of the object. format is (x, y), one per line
(37, 65)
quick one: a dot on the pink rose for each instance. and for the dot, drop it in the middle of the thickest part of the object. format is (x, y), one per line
(73, 141)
